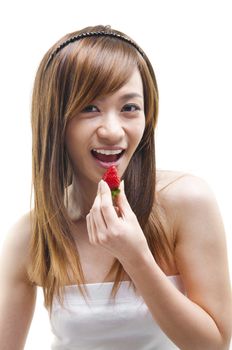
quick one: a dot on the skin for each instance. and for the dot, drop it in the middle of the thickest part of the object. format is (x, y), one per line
(112, 121)
(200, 321)
(202, 318)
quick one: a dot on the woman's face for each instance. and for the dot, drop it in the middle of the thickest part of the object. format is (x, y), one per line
(107, 132)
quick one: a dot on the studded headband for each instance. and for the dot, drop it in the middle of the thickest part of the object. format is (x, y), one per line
(90, 34)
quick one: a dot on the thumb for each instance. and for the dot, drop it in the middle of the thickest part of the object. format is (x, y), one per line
(121, 186)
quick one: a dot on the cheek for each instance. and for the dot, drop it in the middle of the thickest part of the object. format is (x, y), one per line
(76, 133)
(138, 131)
(70, 141)
(73, 142)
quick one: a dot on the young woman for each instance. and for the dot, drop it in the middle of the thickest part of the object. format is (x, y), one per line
(147, 270)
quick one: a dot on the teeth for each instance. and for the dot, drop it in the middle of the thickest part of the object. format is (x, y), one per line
(107, 151)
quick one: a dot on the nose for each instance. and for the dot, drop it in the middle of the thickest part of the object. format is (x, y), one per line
(111, 129)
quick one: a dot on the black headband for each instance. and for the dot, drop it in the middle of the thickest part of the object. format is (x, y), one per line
(89, 34)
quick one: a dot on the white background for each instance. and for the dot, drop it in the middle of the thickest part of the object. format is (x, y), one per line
(189, 45)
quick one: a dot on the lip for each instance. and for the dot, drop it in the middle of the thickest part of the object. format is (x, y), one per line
(107, 165)
(110, 148)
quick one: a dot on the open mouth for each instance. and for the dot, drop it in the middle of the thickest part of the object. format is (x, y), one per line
(107, 156)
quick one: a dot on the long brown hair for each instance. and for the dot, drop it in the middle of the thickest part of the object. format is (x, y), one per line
(80, 72)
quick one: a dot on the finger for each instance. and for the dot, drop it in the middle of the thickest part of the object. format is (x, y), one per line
(89, 228)
(96, 220)
(122, 201)
(107, 208)
(94, 236)
(117, 211)
(97, 216)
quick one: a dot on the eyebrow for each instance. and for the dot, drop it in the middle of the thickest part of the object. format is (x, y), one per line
(124, 97)
(130, 95)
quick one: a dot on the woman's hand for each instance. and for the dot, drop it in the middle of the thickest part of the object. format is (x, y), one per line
(119, 232)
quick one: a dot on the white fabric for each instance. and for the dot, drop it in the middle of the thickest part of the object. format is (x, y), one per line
(103, 325)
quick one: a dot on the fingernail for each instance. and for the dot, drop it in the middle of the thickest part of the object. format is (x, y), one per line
(102, 185)
(98, 187)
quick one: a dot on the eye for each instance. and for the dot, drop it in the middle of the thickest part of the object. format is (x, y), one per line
(131, 107)
(90, 109)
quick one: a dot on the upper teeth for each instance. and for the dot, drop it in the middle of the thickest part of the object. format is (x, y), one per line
(108, 151)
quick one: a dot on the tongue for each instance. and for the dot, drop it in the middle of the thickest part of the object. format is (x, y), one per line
(105, 158)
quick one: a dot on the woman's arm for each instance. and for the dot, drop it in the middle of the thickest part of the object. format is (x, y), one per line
(17, 295)
(202, 320)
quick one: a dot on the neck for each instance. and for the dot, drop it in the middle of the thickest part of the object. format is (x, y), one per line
(81, 195)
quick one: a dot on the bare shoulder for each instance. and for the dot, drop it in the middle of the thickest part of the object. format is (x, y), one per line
(180, 191)
(20, 232)
(165, 178)
(169, 181)
(15, 248)
(193, 212)
(198, 221)
(18, 294)
(200, 245)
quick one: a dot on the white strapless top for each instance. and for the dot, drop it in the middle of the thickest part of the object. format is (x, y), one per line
(126, 324)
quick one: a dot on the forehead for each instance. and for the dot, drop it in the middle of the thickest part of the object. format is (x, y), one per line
(134, 83)
(100, 72)
(133, 88)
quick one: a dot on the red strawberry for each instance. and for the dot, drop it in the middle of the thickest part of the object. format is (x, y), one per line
(112, 178)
